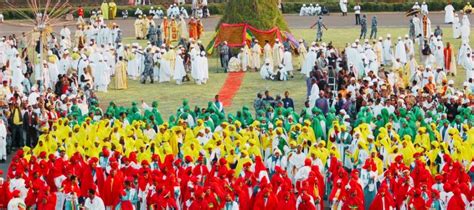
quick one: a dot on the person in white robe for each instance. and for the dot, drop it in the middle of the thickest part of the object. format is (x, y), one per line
(165, 67)
(371, 60)
(94, 202)
(244, 59)
(203, 65)
(468, 65)
(343, 6)
(439, 57)
(303, 10)
(256, 53)
(288, 63)
(53, 67)
(309, 62)
(18, 183)
(314, 94)
(102, 75)
(193, 54)
(132, 66)
(277, 53)
(17, 72)
(400, 51)
(387, 50)
(424, 8)
(463, 52)
(266, 71)
(64, 63)
(418, 26)
(465, 28)
(3, 142)
(283, 73)
(354, 58)
(66, 33)
(179, 71)
(448, 14)
(409, 46)
(268, 52)
(16, 203)
(456, 26)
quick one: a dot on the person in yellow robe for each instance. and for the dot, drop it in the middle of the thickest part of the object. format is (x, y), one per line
(112, 10)
(138, 28)
(121, 75)
(104, 7)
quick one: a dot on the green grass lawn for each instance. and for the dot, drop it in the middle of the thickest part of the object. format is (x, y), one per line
(170, 95)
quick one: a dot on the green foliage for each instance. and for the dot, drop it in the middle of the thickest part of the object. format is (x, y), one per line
(262, 14)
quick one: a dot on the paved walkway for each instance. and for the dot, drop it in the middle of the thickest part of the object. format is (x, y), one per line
(392, 19)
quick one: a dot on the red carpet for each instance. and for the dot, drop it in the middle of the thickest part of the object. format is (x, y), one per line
(231, 87)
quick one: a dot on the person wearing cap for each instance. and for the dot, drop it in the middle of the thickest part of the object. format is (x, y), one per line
(387, 50)
(277, 52)
(243, 57)
(255, 55)
(400, 51)
(138, 30)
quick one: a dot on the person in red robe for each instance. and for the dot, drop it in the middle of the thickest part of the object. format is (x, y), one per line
(113, 186)
(5, 194)
(383, 200)
(46, 199)
(337, 194)
(353, 201)
(401, 191)
(265, 200)
(80, 11)
(456, 202)
(92, 176)
(306, 203)
(448, 56)
(198, 202)
(355, 184)
(287, 202)
(32, 196)
(417, 202)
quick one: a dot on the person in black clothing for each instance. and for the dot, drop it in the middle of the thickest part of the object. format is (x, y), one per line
(30, 121)
(451, 109)
(268, 99)
(287, 101)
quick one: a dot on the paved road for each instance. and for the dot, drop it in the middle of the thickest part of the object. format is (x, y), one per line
(294, 21)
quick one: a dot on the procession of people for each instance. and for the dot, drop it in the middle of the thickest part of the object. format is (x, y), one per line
(380, 127)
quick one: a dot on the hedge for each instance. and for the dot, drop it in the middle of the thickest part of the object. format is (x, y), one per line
(288, 7)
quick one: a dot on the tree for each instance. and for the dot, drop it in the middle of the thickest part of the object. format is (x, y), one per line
(261, 14)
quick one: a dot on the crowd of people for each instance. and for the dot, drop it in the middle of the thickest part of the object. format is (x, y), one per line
(376, 131)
